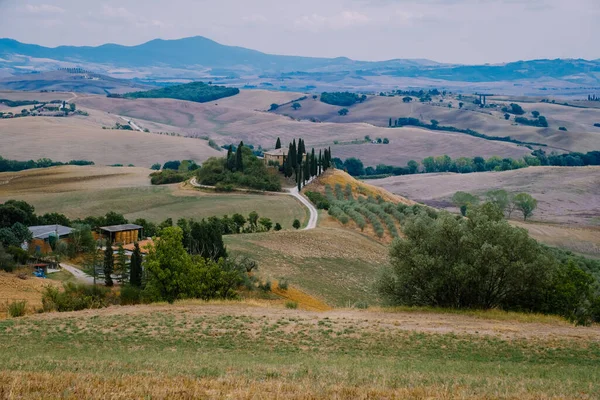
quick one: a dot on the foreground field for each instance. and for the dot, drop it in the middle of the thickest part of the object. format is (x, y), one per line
(78, 192)
(245, 352)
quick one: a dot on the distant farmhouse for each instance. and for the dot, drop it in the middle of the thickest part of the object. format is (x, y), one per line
(42, 236)
(276, 156)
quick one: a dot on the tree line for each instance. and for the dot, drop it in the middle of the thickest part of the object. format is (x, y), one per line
(7, 165)
(199, 92)
(506, 202)
(342, 99)
(466, 165)
(435, 126)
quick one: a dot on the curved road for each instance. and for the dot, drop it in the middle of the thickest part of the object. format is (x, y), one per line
(314, 214)
(78, 274)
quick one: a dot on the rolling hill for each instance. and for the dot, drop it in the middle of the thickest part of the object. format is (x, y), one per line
(189, 53)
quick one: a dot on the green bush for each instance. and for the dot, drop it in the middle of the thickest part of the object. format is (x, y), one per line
(130, 295)
(292, 305)
(168, 176)
(453, 262)
(283, 284)
(76, 297)
(17, 309)
(342, 99)
(318, 200)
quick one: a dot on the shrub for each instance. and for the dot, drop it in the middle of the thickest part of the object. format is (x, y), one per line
(265, 287)
(76, 297)
(562, 128)
(17, 309)
(320, 201)
(292, 305)
(361, 305)
(283, 284)
(168, 176)
(130, 295)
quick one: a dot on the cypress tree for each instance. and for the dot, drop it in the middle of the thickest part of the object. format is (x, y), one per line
(239, 162)
(299, 179)
(320, 163)
(313, 163)
(306, 174)
(278, 144)
(135, 272)
(390, 124)
(230, 160)
(109, 264)
(292, 155)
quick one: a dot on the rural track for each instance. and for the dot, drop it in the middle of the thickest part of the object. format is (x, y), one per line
(294, 192)
(78, 274)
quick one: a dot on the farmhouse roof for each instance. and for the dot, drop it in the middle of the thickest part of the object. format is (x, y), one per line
(45, 231)
(121, 228)
(276, 152)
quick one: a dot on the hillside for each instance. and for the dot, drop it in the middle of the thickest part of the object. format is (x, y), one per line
(200, 51)
(79, 192)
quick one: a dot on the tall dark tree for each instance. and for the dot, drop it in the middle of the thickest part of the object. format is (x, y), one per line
(299, 178)
(288, 171)
(313, 163)
(239, 161)
(306, 173)
(230, 158)
(207, 239)
(278, 144)
(135, 271)
(292, 155)
(320, 171)
(300, 157)
(109, 264)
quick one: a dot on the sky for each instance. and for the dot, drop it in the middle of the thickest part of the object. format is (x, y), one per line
(455, 31)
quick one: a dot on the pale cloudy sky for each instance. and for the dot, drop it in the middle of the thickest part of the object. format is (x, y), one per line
(461, 31)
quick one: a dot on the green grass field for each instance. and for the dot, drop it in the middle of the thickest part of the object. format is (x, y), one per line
(335, 265)
(159, 203)
(249, 352)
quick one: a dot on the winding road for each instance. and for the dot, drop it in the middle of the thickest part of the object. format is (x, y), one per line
(314, 214)
(78, 274)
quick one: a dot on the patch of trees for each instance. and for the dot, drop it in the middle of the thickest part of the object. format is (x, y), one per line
(506, 202)
(540, 121)
(240, 168)
(15, 166)
(198, 92)
(591, 97)
(482, 263)
(597, 125)
(342, 99)
(568, 159)
(514, 109)
(18, 103)
(173, 172)
(434, 125)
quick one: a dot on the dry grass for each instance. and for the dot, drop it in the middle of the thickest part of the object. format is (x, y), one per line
(14, 288)
(186, 351)
(77, 138)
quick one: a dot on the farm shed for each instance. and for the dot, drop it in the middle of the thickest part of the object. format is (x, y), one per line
(125, 234)
(41, 237)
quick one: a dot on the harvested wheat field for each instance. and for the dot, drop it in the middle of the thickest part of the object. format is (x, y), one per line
(244, 351)
(77, 138)
(22, 286)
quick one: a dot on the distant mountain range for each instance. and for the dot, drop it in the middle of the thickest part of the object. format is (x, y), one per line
(197, 53)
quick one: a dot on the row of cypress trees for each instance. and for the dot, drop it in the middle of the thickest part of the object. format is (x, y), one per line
(302, 164)
(235, 161)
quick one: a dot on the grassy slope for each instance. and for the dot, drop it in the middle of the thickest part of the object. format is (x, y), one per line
(81, 191)
(336, 265)
(246, 352)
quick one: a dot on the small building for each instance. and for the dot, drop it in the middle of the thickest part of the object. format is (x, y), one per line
(41, 237)
(275, 156)
(124, 234)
